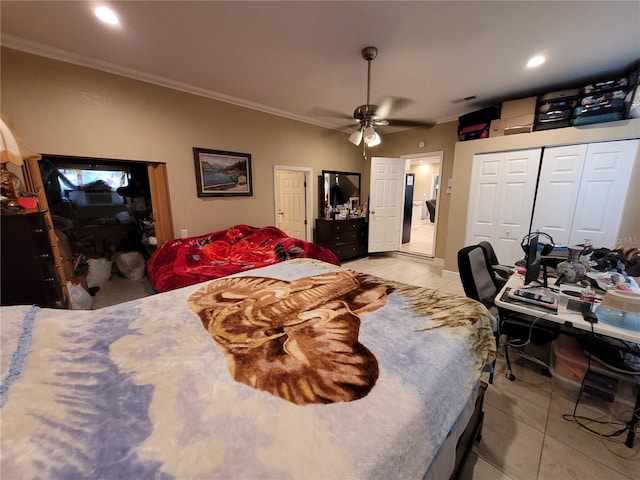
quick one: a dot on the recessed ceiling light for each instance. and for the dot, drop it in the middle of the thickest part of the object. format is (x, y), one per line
(107, 15)
(536, 61)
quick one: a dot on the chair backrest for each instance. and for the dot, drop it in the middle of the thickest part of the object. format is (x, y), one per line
(476, 274)
(501, 272)
(493, 259)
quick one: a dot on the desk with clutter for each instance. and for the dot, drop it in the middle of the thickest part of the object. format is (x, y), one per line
(595, 361)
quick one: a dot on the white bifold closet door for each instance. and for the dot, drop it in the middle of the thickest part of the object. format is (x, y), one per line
(501, 200)
(582, 190)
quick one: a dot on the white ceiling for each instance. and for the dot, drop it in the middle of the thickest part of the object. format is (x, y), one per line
(302, 59)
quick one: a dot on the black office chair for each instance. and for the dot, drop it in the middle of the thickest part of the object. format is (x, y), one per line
(480, 283)
(431, 206)
(501, 272)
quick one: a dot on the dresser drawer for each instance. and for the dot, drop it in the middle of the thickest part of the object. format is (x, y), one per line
(349, 251)
(345, 226)
(29, 273)
(346, 238)
(340, 238)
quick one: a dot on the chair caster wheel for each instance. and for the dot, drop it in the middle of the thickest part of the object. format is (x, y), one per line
(511, 377)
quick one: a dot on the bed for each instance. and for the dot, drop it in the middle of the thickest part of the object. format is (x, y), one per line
(301, 369)
(182, 262)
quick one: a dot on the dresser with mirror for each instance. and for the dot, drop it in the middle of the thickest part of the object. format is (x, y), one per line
(341, 225)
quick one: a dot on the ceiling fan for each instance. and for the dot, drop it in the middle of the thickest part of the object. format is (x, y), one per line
(370, 116)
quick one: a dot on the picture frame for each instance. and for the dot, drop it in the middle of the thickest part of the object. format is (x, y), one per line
(354, 203)
(220, 173)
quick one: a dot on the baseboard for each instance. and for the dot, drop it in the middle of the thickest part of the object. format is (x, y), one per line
(450, 275)
(438, 262)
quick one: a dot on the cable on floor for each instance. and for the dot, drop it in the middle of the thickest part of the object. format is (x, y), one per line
(581, 420)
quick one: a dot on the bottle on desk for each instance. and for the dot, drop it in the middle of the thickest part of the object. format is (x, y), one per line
(571, 270)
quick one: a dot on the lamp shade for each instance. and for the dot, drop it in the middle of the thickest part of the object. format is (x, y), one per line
(9, 150)
(373, 140)
(356, 137)
(369, 134)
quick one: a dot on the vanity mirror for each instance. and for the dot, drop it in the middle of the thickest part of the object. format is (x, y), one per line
(338, 188)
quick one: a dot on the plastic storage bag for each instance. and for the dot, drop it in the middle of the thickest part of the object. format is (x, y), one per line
(131, 265)
(80, 298)
(99, 272)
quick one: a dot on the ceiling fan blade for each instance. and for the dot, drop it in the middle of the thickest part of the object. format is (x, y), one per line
(410, 123)
(325, 112)
(390, 105)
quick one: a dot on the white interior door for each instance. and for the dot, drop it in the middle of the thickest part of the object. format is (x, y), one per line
(501, 200)
(603, 189)
(292, 205)
(558, 191)
(483, 197)
(515, 207)
(386, 193)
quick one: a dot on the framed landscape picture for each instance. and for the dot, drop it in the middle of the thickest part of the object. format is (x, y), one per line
(222, 174)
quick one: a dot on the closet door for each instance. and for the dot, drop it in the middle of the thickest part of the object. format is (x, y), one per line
(501, 200)
(483, 197)
(558, 190)
(603, 190)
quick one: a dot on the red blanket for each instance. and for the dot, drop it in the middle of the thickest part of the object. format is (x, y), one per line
(186, 261)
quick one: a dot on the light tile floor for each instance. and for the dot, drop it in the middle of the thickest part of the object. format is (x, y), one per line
(524, 435)
(421, 238)
(119, 290)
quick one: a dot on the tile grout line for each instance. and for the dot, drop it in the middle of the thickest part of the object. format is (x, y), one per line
(544, 435)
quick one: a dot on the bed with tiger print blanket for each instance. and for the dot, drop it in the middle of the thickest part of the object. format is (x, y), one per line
(297, 370)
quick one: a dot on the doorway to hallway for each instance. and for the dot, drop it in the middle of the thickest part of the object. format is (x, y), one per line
(426, 188)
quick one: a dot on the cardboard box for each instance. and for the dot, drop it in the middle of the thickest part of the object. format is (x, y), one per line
(496, 128)
(521, 124)
(518, 108)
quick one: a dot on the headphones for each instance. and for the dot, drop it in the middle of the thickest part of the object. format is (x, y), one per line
(546, 250)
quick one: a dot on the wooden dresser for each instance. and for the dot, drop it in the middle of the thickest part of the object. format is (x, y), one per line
(28, 265)
(346, 238)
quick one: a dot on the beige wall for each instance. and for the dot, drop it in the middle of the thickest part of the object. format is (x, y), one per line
(63, 109)
(423, 178)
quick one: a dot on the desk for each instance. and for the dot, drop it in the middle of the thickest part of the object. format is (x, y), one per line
(568, 318)
(563, 316)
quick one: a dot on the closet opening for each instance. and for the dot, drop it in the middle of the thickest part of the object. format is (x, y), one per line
(100, 209)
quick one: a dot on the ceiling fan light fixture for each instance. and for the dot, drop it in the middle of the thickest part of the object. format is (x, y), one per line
(356, 137)
(371, 138)
(369, 134)
(376, 141)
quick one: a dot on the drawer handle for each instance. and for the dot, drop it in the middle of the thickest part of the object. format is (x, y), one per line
(49, 279)
(44, 255)
(38, 230)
